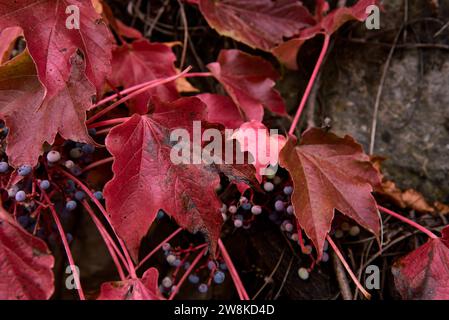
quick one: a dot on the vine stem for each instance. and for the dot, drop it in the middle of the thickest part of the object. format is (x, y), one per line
(65, 243)
(233, 271)
(408, 221)
(155, 83)
(198, 74)
(148, 256)
(108, 122)
(112, 248)
(97, 163)
(132, 270)
(348, 269)
(310, 84)
(186, 274)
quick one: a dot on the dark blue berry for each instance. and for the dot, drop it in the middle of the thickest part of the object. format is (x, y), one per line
(98, 195)
(80, 195)
(44, 185)
(193, 278)
(71, 205)
(69, 237)
(88, 148)
(4, 167)
(24, 170)
(21, 196)
(24, 221)
(219, 277)
(202, 288)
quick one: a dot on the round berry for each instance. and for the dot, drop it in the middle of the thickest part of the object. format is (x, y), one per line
(88, 148)
(167, 282)
(21, 196)
(24, 221)
(219, 277)
(243, 200)
(339, 234)
(166, 246)
(279, 205)
(345, 226)
(194, 279)
(354, 231)
(12, 191)
(4, 167)
(288, 226)
(256, 210)
(294, 237)
(303, 273)
(246, 206)
(232, 209)
(92, 131)
(44, 184)
(76, 171)
(290, 209)
(80, 195)
(71, 205)
(325, 257)
(76, 153)
(69, 164)
(186, 265)
(277, 180)
(223, 266)
(211, 265)
(171, 259)
(268, 186)
(238, 223)
(99, 196)
(288, 190)
(202, 288)
(224, 208)
(24, 170)
(176, 263)
(69, 237)
(53, 156)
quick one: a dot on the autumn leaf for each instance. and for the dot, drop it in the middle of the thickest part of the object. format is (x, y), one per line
(249, 81)
(142, 61)
(255, 138)
(221, 109)
(25, 263)
(146, 180)
(260, 24)
(33, 120)
(287, 51)
(133, 289)
(52, 44)
(8, 38)
(330, 173)
(424, 273)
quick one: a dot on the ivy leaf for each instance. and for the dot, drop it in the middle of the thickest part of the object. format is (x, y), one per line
(424, 273)
(249, 81)
(142, 61)
(261, 24)
(25, 264)
(326, 24)
(255, 138)
(52, 44)
(330, 173)
(33, 119)
(221, 109)
(8, 38)
(133, 289)
(146, 180)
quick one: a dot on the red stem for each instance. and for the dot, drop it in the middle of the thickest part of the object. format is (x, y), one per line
(137, 92)
(112, 248)
(108, 122)
(65, 243)
(97, 163)
(310, 84)
(233, 271)
(148, 256)
(186, 274)
(348, 269)
(132, 270)
(198, 74)
(408, 221)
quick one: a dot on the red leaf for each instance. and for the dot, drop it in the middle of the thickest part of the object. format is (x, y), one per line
(52, 44)
(255, 138)
(132, 289)
(7, 41)
(146, 180)
(261, 24)
(221, 109)
(140, 62)
(25, 263)
(424, 273)
(330, 173)
(249, 80)
(33, 120)
(328, 24)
